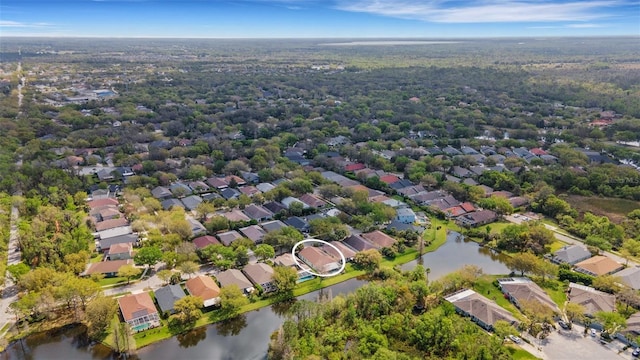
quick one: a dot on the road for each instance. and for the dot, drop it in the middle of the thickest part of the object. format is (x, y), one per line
(557, 232)
(10, 290)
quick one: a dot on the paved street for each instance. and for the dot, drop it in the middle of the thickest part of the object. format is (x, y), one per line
(571, 240)
(10, 291)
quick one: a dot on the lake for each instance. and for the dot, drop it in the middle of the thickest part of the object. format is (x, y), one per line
(246, 337)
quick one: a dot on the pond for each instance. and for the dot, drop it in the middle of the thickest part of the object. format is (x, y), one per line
(247, 336)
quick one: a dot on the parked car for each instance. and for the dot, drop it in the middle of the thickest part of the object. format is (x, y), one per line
(593, 332)
(515, 339)
(636, 352)
(563, 325)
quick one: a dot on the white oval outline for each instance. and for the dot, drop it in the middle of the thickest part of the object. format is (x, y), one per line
(293, 254)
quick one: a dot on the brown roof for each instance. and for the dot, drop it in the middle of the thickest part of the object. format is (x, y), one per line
(284, 260)
(316, 258)
(112, 223)
(203, 286)
(102, 202)
(599, 265)
(259, 273)
(592, 299)
(236, 215)
(253, 232)
(480, 307)
(104, 267)
(379, 238)
(137, 305)
(523, 289)
(120, 248)
(234, 277)
(346, 251)
(311, 200)
(204, 241)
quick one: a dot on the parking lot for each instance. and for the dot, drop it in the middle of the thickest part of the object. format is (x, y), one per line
(572, 344)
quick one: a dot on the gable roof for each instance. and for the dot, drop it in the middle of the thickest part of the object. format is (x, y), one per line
(592, 299)
(379, 238)
(236, 215)
(317, 259)
(571, 254)
(111, 223)
(120, 248)
(274, 207)
(259, 273)
(257, 212)
(253, 232)
(285, 259)
(523, 289)
(630, 276)
(298, 223)
(346, 251)
(228, 237)
(102, 202)
(136, 305)
(234, 277)
(204, 241)
(312, 200)
(478, 306)
(107, 243)
(166, 296)
(273, 225)
(169, 203)
(106, 267)
(203, 286)
(358, 243)
(598, 265)
(161, 192)
(191, 202)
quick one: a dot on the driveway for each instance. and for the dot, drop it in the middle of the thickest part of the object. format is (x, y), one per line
(572, 344)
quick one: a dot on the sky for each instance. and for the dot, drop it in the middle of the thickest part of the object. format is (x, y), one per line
(318, 18)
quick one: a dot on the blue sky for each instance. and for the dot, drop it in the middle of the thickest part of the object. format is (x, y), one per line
(318, 18)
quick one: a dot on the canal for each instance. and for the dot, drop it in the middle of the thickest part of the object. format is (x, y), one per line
(246, 337)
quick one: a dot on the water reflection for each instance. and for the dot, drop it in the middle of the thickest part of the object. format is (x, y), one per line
(192, 337)
(232, 326)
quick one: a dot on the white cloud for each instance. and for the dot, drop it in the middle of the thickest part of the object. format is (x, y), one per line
(584, 26)
(488, 11)
(17, 24)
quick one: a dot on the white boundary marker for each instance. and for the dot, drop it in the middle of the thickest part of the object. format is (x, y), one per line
(293, 254)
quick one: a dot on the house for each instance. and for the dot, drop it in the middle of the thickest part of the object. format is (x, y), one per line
(218, 183)
(106, 268)
(401, 184)
(235, 277)
(518, 201)
(477, 218)
(170, 203)
(264, 187)
(405, 215)
(191, 202)
(347, 252)
(236, 216)
(290, 200)
(139, 311)
(358, 243)
(196, 226)
(233, 178)
(104, 245)
(122, 230)
(161, 193)
(598, 265)
(203, 241)
(481, 310)
(249, 190)
(166, 296)
(275, 207)
(318, 260)
(389, 179)
(107, 213)
(258, 212)
(454, 211)
(199, 186)
(298, 223)
(230, 193)
(630, 277)
(285, 260)
(571, 254)
(379, 239)
(253, 233)
(461, 172)
(394, 204)
(102, 202)
(111, 224)
(591, 299)
(398, 226)
(260, 274)
(273, 225)
(250, 177)
(467, 207)
(121, 251)
(354, 167)
(520, 290)
(312, 201)
(633, 325)
(228, 237)
(204, 287)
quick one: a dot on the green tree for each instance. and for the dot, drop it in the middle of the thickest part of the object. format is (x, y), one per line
(148, 255)
(99, 313)
(188, 309)
(285, 279)
(611, 322)
(232, 299)
(368, 259)
(264, 252)
(128, 271)
(165, 275)
(574, 312)
(524, 263)
(188, 267)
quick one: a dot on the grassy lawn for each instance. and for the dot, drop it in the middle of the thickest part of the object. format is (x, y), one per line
(520, 354)
(554, 288)
(497, 227)
(615, 209)
(484, 286)
(112, 281)
(556, 245)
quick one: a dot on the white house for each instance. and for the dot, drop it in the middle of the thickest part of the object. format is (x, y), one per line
(405, 216)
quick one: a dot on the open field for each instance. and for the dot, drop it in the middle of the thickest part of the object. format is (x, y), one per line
(613, 208)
